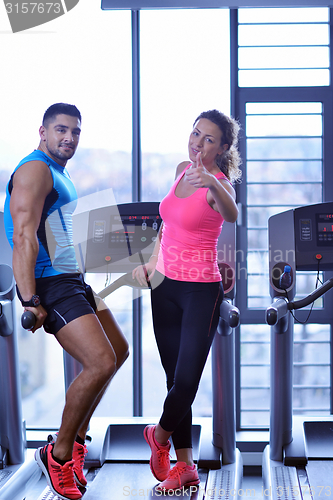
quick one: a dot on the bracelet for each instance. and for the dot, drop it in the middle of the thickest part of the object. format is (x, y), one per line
(154, 255)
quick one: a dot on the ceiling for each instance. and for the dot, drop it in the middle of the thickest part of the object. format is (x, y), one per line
(195, 4)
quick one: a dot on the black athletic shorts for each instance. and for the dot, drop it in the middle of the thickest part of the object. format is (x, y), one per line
(65, 297)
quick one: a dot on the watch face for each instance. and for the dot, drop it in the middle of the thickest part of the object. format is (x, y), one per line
(35, 300)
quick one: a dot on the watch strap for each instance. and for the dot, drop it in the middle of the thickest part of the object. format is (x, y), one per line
(33, 302)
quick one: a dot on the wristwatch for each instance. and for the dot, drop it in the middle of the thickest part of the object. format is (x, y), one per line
(33, 302)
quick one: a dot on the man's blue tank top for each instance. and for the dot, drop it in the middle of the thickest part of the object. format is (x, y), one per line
(55, 233)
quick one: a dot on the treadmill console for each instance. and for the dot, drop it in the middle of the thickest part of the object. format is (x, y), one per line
(314, 237)
(301, 238)
(121, 236)
(117, 238)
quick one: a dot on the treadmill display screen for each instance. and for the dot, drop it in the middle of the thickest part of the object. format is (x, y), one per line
(121, 236)
(137, 231)
(325, 229)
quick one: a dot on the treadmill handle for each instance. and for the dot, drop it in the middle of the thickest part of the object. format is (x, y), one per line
(281, 306)
(277, 310)
(229, 313)
(298, 304)
(125, 280)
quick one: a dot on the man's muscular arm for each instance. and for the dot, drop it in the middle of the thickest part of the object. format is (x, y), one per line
(32, 183)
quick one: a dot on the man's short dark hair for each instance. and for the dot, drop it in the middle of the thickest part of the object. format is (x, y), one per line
(60, 109)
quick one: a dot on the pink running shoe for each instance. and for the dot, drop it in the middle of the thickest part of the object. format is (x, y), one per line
(79, 454)
(60, 478)
(180, 476)
(160, 458)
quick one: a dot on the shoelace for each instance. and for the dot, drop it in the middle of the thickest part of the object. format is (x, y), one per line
(163, 457)
(80, 453)
(65, 474)
(176, 472)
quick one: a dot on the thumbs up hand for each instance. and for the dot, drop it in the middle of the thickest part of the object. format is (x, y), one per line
(197, 175)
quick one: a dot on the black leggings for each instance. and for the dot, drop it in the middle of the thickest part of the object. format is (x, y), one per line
(185, 318)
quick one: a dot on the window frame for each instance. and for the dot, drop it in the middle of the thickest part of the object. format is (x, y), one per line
(240, 96)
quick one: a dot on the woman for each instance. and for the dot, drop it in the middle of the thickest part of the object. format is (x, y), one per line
(186, 284)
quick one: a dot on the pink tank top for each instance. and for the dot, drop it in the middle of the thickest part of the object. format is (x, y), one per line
(191, 228)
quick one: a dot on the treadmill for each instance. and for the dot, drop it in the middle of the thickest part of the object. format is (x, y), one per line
(298, 462)
(115, 239)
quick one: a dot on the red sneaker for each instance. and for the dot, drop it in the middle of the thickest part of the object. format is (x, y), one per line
(79, 453)
(60, 478)
(160, 458)
(180, 476)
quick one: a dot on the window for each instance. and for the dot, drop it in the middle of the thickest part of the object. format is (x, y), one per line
(312, 366)
(181, 76)
(282, 55)
(283, 47)
(284, 103)
(284, 170)
(93, 72)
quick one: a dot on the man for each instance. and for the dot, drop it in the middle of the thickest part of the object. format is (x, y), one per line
(38, 220)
